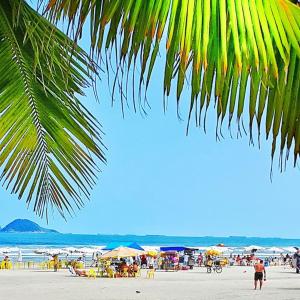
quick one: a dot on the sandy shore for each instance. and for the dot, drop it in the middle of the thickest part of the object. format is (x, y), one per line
(233, 283)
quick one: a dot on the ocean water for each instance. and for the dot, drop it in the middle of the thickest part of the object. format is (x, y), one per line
(55, 240)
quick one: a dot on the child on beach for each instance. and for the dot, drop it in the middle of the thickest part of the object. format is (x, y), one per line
(260, 274)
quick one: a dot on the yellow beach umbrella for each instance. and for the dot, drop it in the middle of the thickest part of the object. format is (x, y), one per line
(152, 253)
(122, 252)
(213, 252)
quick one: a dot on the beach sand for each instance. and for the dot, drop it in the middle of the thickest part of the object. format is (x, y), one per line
(233, 283)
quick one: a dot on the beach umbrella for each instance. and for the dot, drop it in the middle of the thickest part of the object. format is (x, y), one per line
(115, 245)
(213, 252)
(122, 252)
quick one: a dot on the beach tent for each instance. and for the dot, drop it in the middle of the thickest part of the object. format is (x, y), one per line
(174, 248)
(114, 245)
(122, 252)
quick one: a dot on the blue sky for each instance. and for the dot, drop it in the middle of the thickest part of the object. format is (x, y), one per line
(160, 181)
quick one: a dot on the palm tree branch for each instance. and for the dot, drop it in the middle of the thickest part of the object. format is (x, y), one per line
(49, 142)
(237, 52)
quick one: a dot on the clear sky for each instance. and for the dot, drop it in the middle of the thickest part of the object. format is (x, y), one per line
(160, 181)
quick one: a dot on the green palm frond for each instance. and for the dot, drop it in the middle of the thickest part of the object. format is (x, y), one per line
(49, 142)
(225, 45)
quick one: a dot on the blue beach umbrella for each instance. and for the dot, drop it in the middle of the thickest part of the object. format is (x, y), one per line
(114, 245)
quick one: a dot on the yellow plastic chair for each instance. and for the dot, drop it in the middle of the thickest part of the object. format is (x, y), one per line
(92, 274)
(110, 273)
(124, 273)
(2, 265)
(9, 265)
(150, 273)
(79, 265)
(19, 265)
(138, 273)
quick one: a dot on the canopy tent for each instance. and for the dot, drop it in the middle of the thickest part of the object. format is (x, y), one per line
(122, 252)
(175, 248)
(114, 245)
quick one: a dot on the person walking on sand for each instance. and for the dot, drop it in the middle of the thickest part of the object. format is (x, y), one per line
(260, 274)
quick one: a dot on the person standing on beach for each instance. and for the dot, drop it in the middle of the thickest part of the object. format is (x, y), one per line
(55, 262)
(260, 274)
(297, 261)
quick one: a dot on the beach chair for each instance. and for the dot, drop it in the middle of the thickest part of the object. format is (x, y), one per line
(138, 273)
(150, 273)
(110, 273)
(2, 265)
(92, 274)
(9, 265)
(124, 273)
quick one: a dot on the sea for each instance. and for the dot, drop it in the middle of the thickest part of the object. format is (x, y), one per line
(59, 240)
(38, 247)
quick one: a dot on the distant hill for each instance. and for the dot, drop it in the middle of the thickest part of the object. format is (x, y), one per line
(23, 225)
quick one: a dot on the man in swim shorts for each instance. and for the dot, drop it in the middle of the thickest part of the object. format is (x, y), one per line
(260, 274)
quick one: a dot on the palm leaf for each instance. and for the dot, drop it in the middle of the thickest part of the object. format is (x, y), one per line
(229, 42)
(49, 142)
